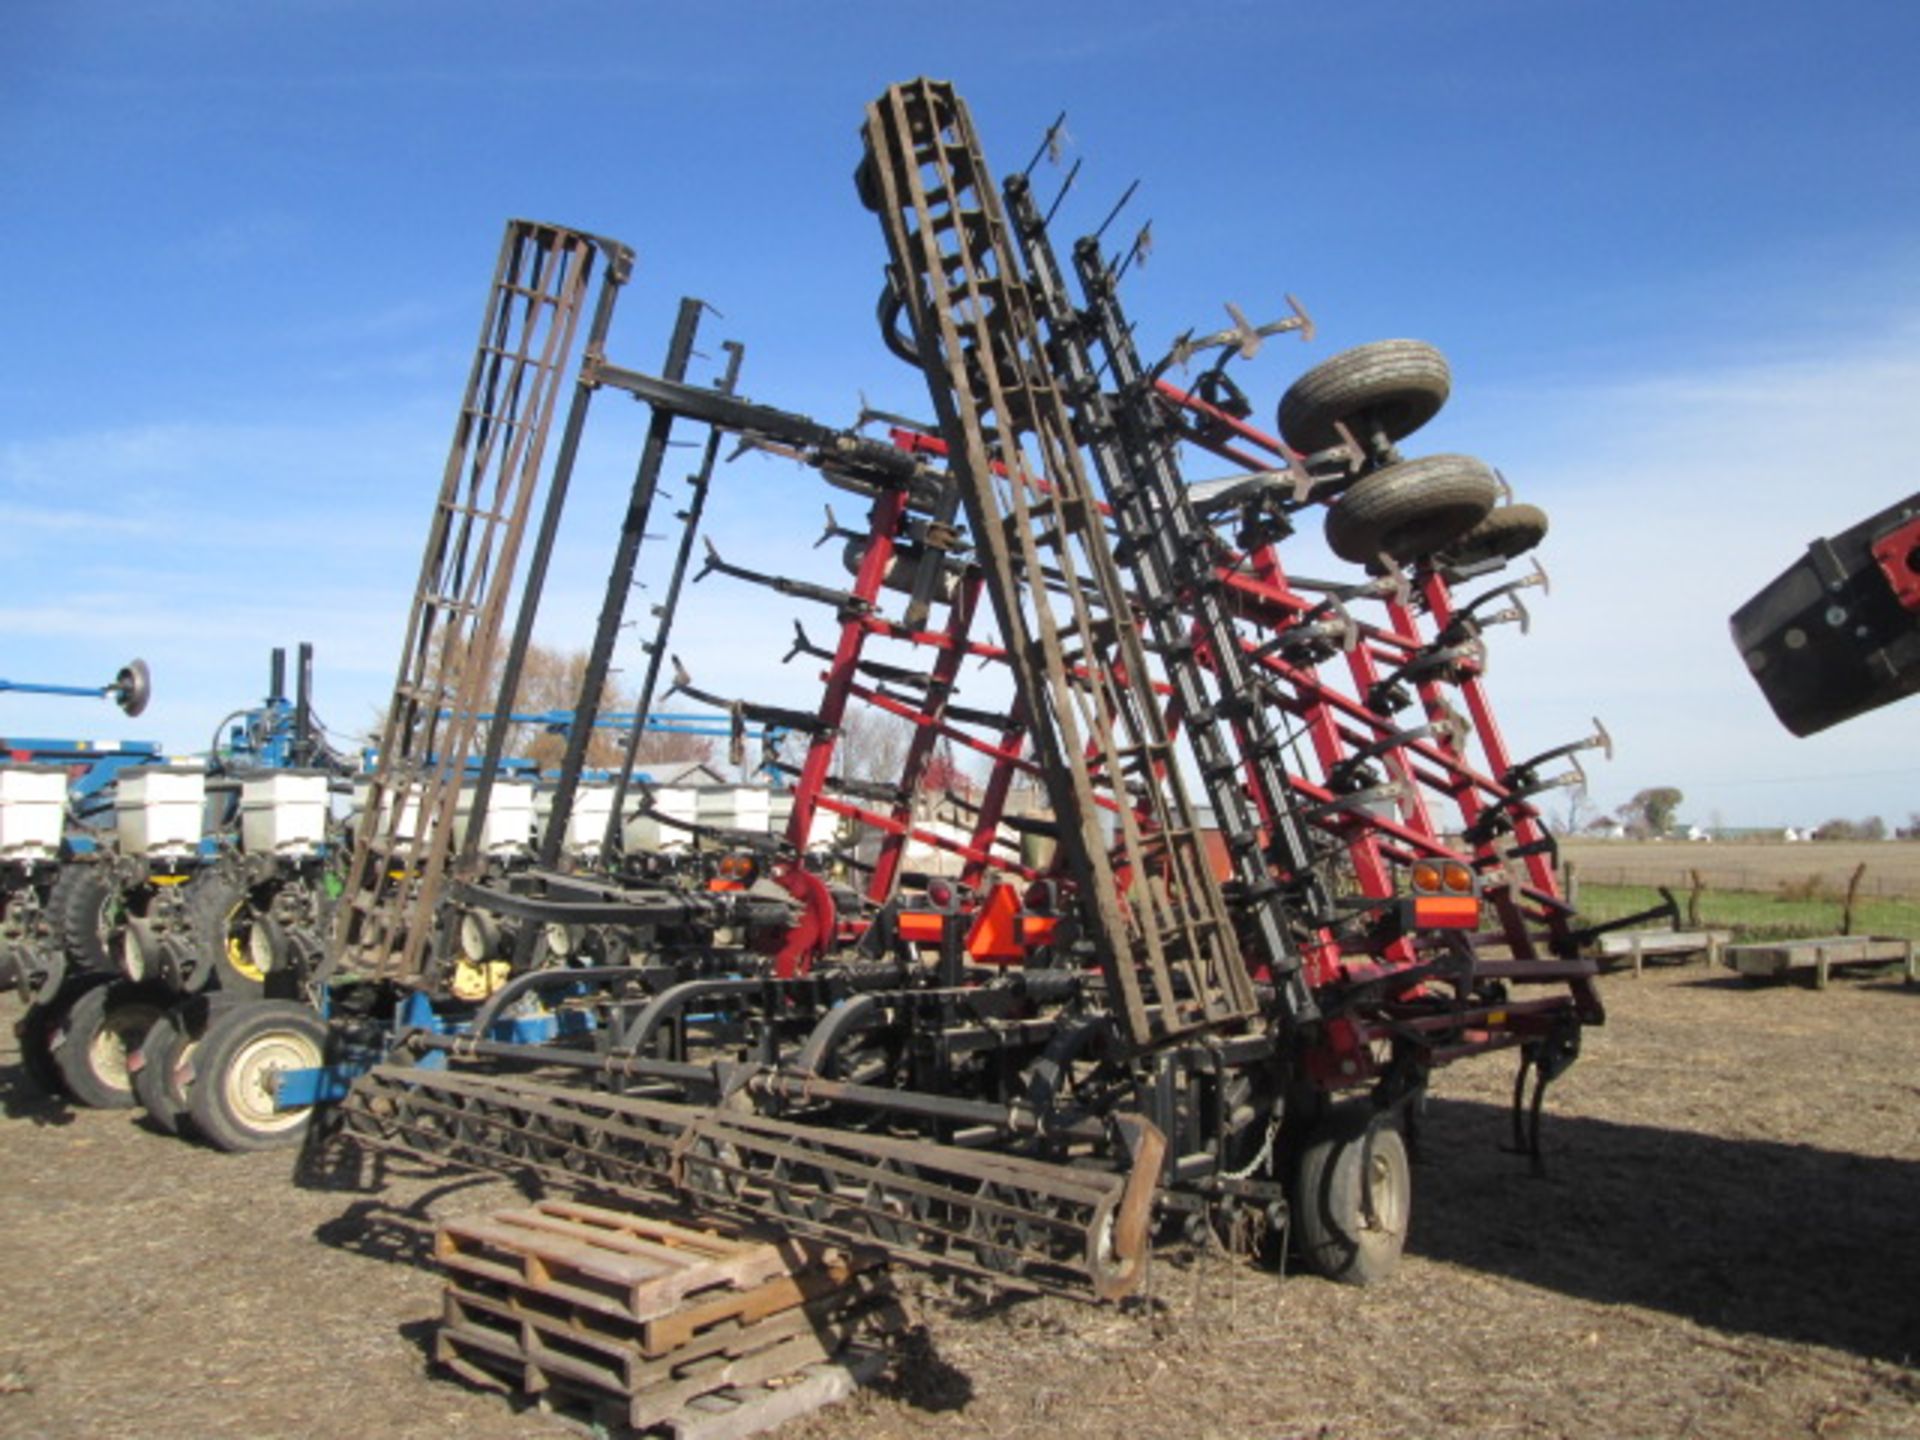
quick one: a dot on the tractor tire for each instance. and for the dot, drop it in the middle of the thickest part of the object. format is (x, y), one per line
(162, 1076)
(1390, 388)
(228, 937)
(1337, 1235)
(77, 907)
(41, 1027)
(235, 1068)
(1508, 532)
(104, 1026)
(1411, 509)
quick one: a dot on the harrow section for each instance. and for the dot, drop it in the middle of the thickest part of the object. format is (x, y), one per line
(403, 850)
(1048, 1226)
(1160, 926)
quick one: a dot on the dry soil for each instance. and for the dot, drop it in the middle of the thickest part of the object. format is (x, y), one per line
(1726, 1243)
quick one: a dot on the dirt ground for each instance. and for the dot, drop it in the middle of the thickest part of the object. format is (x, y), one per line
(1727, 1244)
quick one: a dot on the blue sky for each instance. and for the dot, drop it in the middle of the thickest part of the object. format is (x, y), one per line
(1670, 250)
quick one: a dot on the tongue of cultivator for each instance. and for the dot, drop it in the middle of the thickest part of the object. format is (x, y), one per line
(1185, 898)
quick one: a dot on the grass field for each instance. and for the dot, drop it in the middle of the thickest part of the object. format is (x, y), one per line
(1756, 917)
(1761, 891)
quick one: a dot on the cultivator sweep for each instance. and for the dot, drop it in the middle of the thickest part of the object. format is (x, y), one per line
(1188, 871)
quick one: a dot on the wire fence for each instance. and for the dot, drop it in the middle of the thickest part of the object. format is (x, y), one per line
(1890, 884)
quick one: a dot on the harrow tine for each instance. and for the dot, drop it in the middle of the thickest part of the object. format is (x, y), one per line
(780, 584)
(1114, 214)
(1052, 144)
(1066, 185)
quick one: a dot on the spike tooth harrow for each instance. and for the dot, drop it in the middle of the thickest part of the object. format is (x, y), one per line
(1170, 955)
(1041, 1225)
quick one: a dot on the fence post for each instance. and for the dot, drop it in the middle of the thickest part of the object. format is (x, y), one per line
(1853, 889)
(1569, 885)
(1693, 899)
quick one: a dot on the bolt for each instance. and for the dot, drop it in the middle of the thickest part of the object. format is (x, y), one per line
(1836, 615)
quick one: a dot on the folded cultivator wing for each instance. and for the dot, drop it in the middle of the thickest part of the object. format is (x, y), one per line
(1171, 915)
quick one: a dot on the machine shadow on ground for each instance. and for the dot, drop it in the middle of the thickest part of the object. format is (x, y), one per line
(1792, 1242)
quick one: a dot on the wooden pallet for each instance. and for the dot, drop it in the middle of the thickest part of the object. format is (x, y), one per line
(731, 1413)
(614, 1316)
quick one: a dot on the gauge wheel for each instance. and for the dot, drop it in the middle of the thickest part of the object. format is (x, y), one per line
(1411, 509)
(163, 1071)
(1508, 532)
(234, 940)
(1353, 1196)
(78, 907)
(1388, 389)
(104, 1026)
(237, 1067)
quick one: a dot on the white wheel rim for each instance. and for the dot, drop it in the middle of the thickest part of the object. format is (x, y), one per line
(133, 955)
(249, 1083)
(119, 1033)
(260, 950)
(476, 944)
(1389, 1204)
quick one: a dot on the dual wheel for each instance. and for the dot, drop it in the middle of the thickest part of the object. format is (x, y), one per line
(1438, 506)
(1352, 1196)
(211, 1063)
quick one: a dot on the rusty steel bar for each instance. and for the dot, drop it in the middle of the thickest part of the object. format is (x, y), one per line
(403, 845)
(1161, 931)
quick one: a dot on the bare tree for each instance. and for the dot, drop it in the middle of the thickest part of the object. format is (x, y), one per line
(674, 747)
(873, 745)
(1576, 809)
(551, 681)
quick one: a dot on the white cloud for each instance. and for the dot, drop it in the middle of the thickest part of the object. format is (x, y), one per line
(1674, 498)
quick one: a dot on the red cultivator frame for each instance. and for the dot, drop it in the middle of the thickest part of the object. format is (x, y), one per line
(1192, 870)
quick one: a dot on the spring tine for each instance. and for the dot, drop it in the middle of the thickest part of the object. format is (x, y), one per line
(1114, 213)
(1065, 185)
(1051, 144)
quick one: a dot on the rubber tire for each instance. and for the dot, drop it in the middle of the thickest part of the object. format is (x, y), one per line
(1509, 531)
(160, 1085)
(35, 1031)
(214, 903)
(1410, 509)
(1394, 386)
(1329, 1227)
(77, 907)
(103, 1026)
(229, 1099)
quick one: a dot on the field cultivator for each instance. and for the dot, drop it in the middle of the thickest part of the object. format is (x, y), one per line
(1167, 921)
(1187, 874)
